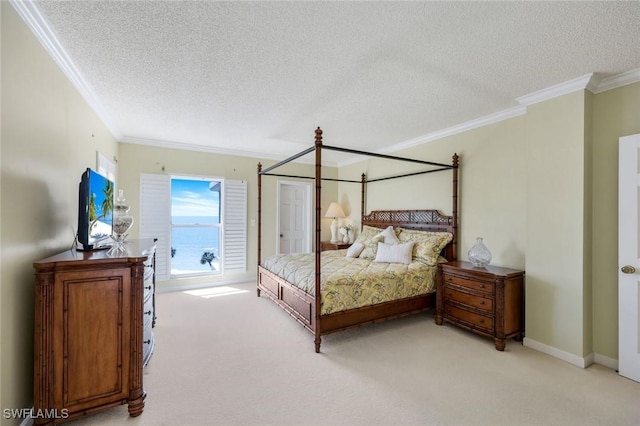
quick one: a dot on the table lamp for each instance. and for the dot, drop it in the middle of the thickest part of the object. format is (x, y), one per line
(334, 211)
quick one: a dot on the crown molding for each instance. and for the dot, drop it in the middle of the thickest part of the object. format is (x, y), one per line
(450, 131)
(590, 82)
(561, 89)
(619, 80)
(215, 150)
(460, 128)
(199, 148)
(39, 25)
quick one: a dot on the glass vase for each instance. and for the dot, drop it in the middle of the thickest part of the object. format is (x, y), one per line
(122, 223)
(479, 254)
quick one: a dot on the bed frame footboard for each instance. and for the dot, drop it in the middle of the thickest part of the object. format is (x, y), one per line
(301, 306)
(351, 318)
(294, 301)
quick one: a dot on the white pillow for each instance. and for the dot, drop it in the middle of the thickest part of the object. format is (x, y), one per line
(394, 253)
(355, 249)
(389, 236)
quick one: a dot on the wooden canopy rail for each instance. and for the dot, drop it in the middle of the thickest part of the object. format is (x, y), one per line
(344, 320)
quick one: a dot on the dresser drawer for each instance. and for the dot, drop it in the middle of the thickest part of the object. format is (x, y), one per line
(479, 302)
(147, 312)
(148, 275)
(148, 344)
(483, 286)
(471, 318)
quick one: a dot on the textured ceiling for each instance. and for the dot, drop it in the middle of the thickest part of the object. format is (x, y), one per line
(259, 77)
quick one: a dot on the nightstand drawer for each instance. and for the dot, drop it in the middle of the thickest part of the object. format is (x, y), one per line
(473, 319)
(483, 303)
(326, 245)
(485, 287)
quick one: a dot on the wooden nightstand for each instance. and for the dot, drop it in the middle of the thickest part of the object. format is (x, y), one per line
(487, 301)
(328, 245)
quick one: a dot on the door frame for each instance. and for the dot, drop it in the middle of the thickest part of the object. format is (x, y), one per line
(308, 220)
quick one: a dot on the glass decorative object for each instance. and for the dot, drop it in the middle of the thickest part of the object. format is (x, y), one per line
(479, 254)
(122, 223)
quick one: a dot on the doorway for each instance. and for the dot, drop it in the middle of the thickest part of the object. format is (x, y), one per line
(294, 217)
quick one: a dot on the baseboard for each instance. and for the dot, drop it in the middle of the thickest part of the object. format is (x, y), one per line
(195, 286)
(606, 361)
(557, 353)
(592, 358)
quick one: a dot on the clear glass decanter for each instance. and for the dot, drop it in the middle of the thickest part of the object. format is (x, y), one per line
(122, 223)
(479, 254)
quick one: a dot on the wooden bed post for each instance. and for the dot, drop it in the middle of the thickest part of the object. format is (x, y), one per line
(318, 251)
(259, 222)
(363, 183)
(455, 206)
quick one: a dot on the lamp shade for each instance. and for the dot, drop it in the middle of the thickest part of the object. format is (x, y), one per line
(334, 210)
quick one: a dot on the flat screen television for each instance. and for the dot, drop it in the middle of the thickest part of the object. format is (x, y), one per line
(95, 211)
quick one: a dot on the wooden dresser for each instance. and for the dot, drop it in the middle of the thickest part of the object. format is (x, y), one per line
(487, 301)
(94, 315)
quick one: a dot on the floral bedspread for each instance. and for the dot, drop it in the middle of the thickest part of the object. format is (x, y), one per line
(348, 283)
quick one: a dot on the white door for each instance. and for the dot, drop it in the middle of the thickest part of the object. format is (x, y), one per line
(629, 257)
(294, 219)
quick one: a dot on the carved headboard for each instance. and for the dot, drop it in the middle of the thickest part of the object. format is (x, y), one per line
(422, 220)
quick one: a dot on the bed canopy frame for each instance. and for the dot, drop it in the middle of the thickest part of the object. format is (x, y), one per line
(436, 222)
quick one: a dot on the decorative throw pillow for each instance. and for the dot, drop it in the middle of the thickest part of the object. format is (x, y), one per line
(394, 253)
(428, 245)
(355, 249)
(387, 236)
(367, 233)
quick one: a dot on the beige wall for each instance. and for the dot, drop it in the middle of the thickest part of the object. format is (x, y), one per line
(49, 136)
(492, 194)
(615, 114)
(136, 159)
(587, 228)
(555, 223)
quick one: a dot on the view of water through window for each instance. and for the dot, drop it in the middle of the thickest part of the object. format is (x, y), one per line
(195, 226)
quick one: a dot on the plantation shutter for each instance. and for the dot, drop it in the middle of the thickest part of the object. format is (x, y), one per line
(155, 219)
(234, 256)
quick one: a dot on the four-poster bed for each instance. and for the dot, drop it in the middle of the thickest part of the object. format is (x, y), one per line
(306, 304)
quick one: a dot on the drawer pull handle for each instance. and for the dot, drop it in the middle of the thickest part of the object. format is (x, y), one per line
(482, 302)
(481, 321)
(147, 342)
(148, 288)
(482, 286)
(148, 313)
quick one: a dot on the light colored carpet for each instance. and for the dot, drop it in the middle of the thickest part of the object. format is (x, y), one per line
(240, 360)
